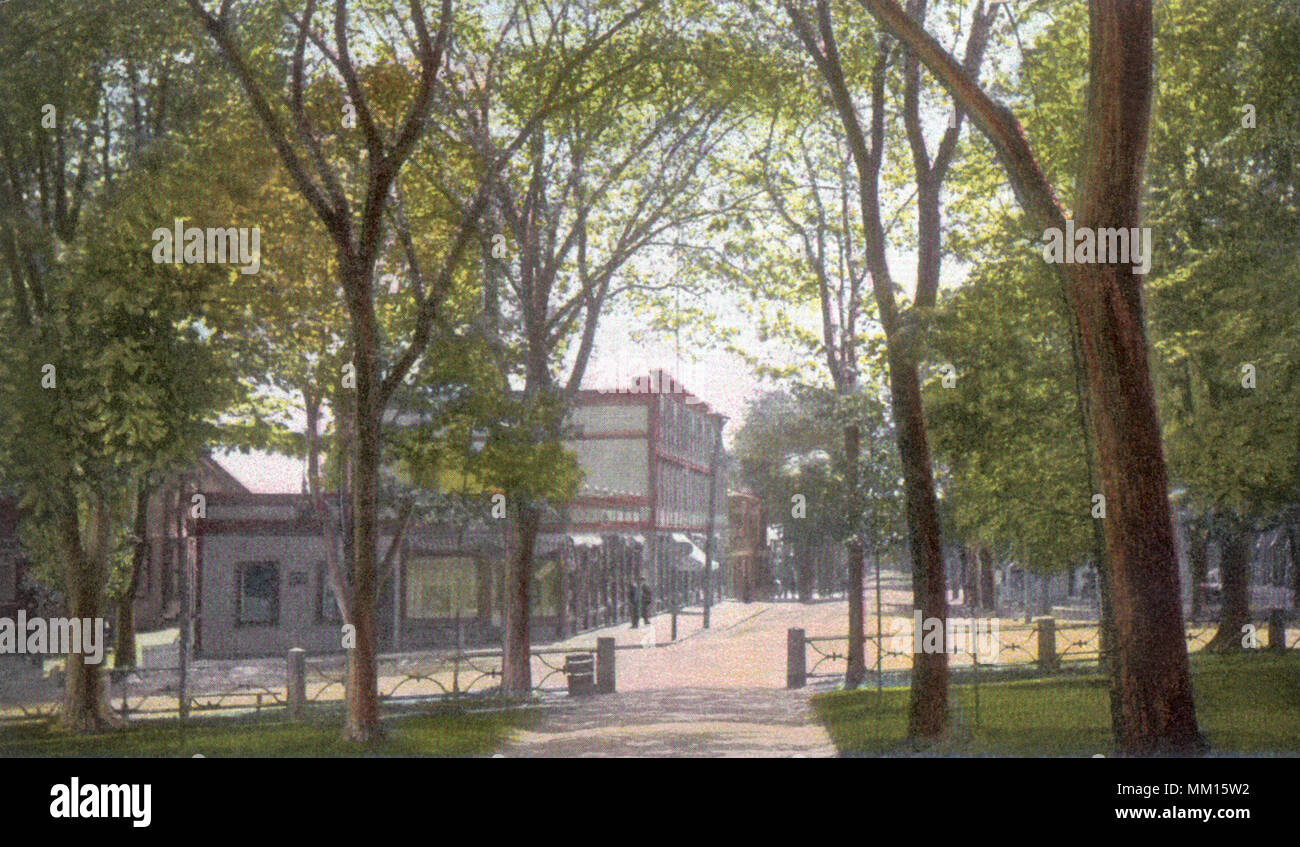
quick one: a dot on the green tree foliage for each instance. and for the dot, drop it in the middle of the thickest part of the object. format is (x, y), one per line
(791, 443)
(106, 378)
(1005, 411)
(1225, 215)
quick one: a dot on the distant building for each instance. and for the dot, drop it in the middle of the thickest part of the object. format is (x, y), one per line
(264, 583)
(747, 556)
(642, 511)
(158, 589)
(646, 452)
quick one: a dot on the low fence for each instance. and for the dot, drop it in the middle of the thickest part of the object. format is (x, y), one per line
(299, 680)
(1043, 646)
(474, 673)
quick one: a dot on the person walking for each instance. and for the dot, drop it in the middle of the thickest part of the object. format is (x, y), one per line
(647, 602)
(634, 600)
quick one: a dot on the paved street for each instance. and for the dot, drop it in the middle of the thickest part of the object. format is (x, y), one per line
(718, 692)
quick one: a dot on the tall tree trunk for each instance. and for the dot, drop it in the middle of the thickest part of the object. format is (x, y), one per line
(970, 576)
(1234, 576)
(1107, 635)
(124, 646)
(516, 660)
(928, 709)
(362, 722)
(1152, 675)
(85, 695)
(804, 577)
(516, 663)
(483, 592)
(124, 633)
(857, 668)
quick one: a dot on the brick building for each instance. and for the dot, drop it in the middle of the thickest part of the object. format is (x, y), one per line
(646, 452)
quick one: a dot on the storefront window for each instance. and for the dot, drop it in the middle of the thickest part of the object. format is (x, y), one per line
(441, 587)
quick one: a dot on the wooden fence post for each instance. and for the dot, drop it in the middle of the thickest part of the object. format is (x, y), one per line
(796, 672)
(296, 682)
(605, 665)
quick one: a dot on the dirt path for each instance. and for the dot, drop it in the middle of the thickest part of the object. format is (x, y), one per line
(679, 722)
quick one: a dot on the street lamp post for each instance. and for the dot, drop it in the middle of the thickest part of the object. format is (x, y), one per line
(708, 537)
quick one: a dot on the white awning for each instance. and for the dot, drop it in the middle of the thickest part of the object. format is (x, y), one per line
(693, 558)
(585, 539)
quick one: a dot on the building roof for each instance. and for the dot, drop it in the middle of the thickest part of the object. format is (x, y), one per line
(656, 381)
(225, 477)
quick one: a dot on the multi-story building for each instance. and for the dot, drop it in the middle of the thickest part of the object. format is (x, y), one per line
(647, 452)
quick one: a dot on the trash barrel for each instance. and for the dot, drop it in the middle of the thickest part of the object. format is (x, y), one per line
(580, 670)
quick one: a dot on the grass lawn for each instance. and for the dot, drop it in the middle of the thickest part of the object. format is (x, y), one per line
(439, 732)
(1247, 703)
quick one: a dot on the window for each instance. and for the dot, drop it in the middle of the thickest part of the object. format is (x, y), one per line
(442, 587)
(327, 608)
(259, 593)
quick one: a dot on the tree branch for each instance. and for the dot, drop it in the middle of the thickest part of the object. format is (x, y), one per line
(995, 120)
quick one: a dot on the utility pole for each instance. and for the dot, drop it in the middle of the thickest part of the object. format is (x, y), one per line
(183, 563)
(672, 599)
(708, 537)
